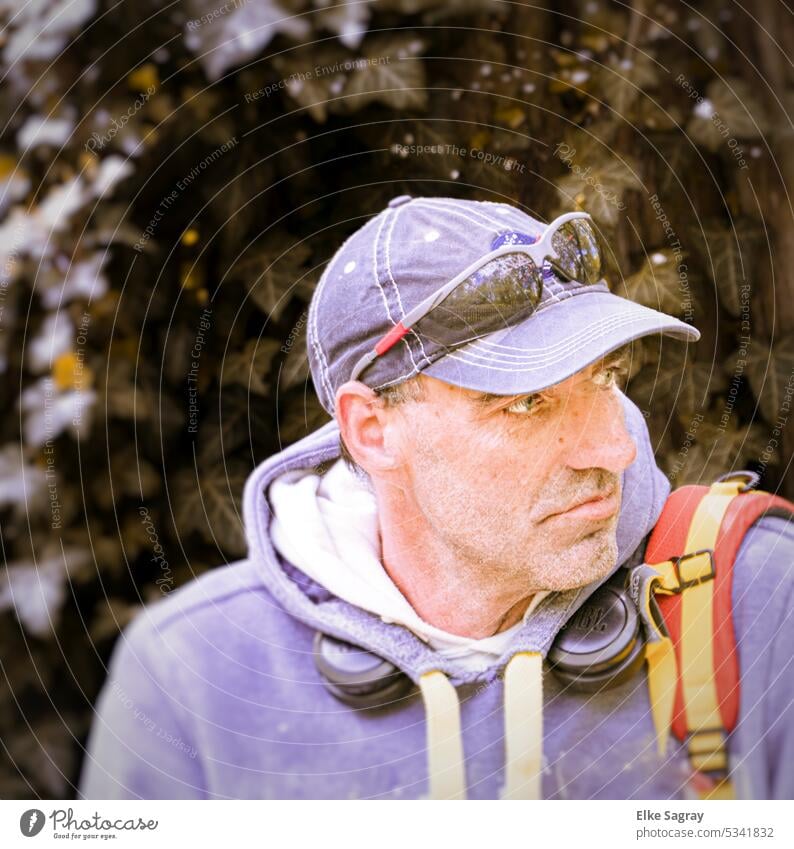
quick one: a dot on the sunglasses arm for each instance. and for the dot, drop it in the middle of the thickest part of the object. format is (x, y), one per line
(388, 341)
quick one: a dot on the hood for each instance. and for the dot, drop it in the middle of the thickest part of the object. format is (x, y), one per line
(439, 672)
(645, 489)
(327, 526)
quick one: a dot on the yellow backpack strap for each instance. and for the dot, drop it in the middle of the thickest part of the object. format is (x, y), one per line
(691, 574)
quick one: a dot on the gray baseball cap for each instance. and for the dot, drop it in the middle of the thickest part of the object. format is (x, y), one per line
(413, 247)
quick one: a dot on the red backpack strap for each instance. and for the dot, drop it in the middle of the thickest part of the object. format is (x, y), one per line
(693, 547)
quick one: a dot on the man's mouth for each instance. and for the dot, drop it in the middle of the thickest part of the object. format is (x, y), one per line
(595, 508)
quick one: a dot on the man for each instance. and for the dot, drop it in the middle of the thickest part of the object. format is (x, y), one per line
(390, 632)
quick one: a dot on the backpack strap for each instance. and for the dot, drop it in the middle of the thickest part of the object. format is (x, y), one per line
(693, 548)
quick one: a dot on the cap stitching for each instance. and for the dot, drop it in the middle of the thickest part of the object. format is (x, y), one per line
(573, 343)
(388, 213)
(375, 268)
(436, 355)
(520, 219)
(514, 212)
(486, 341)
(411, 373)
(475, 210)
(518, 355)
(315, 341)
(556, 352)
(514, 215)
(390, 273)
(456, 212)
(325, 373)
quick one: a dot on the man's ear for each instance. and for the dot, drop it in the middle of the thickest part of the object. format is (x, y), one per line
(364, 424)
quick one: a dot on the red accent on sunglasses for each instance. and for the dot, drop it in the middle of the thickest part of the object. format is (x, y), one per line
(391, 338)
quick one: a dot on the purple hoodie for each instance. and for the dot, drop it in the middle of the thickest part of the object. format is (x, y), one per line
(213, 691)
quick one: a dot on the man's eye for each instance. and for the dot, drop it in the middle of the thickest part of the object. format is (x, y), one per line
(609, 376)
(525, 405)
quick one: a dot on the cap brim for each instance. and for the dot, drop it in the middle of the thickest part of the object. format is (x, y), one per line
(553, 344)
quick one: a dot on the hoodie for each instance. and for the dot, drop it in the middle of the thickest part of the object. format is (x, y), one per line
(213, 691)
(327, 526)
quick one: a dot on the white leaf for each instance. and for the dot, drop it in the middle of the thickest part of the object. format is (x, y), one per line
(704, 109)
(348, 19)
(225, 40)
(21, 485)
(112, 170)
(31, 234)
(35, 595)
(53, 339)
(36, 592)
(39, 130)
(58, 206)
(49, 412)
(40, 29)
(82, 280)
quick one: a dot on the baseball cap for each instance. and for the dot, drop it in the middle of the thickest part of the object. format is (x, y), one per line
(413, 247)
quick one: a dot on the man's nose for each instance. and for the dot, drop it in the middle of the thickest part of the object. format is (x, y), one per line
(598, 437)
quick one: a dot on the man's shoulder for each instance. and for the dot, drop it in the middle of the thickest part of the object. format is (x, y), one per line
(767, 551)
(763, 578)
(227, 602)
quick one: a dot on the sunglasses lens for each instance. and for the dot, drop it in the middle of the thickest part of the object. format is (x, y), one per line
(500, 294)
(578, 252)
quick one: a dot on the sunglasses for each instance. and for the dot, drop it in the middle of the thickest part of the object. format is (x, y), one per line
(502, 288)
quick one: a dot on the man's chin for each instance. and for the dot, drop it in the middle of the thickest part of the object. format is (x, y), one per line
(604, 545)
(589, 559)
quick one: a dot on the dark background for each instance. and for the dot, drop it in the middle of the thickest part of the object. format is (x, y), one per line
(123, 454)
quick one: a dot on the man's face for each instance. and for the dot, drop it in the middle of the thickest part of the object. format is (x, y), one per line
(525, 489)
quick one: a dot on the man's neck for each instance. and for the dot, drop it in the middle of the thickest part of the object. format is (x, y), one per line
(445, 589)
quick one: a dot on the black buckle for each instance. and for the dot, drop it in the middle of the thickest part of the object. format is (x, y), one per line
(701, 579)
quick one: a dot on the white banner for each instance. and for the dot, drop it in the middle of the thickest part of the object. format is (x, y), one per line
(383, 825)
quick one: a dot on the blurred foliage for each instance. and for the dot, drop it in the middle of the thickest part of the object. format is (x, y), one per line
(172, 181)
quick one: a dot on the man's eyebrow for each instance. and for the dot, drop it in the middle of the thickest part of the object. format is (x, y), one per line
(487, 399)
(619, 355)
